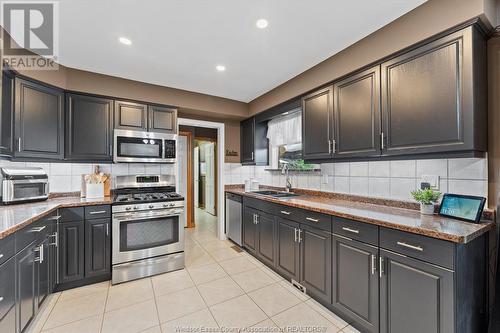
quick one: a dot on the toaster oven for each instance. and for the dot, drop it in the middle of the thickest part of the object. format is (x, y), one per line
(23, 184)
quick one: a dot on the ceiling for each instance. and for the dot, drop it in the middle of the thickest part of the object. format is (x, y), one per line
(178, 43)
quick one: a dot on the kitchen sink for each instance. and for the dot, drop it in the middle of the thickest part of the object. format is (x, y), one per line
(276, 194)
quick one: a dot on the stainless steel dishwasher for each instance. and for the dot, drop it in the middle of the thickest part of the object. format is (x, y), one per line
(233, 217)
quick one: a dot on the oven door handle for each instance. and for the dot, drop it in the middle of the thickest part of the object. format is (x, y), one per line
(133, 217)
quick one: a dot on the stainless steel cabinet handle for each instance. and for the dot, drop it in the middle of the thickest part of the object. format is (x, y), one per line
(333, 146)
(312, 220)
(97, 212)
(252, 156)
(19, 144)
(54, 218)
(382, 141)
(300, 235)
(107, 229)
(1, 298)
(39, 259)
(329, 146)
(381, 266)
(374, 264)
(354, 231)
(1, 255)
(256, 219)
(56, 239)
(409, 246)
(38, 229)
(285, 212)
(295, 234)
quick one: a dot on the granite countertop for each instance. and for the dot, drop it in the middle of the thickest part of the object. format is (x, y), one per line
(17, 216)
(408, 220)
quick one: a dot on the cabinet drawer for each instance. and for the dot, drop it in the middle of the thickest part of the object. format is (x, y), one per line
(71, 214)
(317, 220)
(261, 205)
(7, 287)
(97, 212)
(7, 248)
(432, 250)
(29, 234)
(360, 231)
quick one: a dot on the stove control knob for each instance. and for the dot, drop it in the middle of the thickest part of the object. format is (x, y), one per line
(151, 206)
(172, 204)
(128, 208)
(136, 207)
(165, 205)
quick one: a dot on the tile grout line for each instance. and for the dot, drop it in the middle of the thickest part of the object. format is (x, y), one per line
(156, 304)
(104, 309)
(50, 312)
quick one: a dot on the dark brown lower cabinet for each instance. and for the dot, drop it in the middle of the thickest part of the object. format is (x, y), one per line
(42, 278)
(8, 294)
(266, 232)
(288, 249)
(25, 290)
(316, 262)
(71, 251)
(355, 282)
(415, 296)
(250, 229)
(97, 247)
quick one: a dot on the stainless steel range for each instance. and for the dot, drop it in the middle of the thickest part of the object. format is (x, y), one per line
(148, 227)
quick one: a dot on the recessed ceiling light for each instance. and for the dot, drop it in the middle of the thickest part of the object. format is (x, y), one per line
(125, 41)
(262, 23)
(220, 68)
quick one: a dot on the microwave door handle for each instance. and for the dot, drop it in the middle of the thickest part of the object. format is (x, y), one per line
(141, 217)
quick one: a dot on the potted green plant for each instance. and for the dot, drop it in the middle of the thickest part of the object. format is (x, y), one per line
(427, 198)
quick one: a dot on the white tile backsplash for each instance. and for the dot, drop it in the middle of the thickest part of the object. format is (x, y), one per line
(66, 177)
(383, 179)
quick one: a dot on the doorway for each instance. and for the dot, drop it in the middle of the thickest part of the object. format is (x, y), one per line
(200, 180)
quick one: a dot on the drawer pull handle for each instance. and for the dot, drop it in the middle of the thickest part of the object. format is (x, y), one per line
(354, 231)
(38, 229)
(285, 212)
(54, 218)
(413, 247)
(1, 298)
(97, 212)
(1, 255)
(312, 220)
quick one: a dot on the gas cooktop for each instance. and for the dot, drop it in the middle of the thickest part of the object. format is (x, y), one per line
(147, 197)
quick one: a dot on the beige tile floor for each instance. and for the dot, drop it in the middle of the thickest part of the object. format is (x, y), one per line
(219, 288)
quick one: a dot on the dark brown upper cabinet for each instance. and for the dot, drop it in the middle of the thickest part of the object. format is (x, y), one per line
(433, 97)
(248, 141)
(317, 122)
(131, 116)
(356, 111)
(89, 129)
(7, 114)
(162, 119)
(39, 120)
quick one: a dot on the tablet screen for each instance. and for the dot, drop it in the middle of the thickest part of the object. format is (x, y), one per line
(463, 207)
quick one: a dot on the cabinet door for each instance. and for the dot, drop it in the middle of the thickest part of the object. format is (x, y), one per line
(8, 295)
(288, 249)
(250, 237)
(317, 122)
(71, 247)
(89, 128)
(415, 296)
(355, 282)
(97, 247)
(356, 111)
(53, 259)
(427, 97)
(266, 245)
(25, 290)
(162, 119)
(316, 262)
(7, 114)
(42, 278)
(39, 121)
(248, 141)
(131, 116)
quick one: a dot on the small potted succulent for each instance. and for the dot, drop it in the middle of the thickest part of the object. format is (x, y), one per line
(427, 198)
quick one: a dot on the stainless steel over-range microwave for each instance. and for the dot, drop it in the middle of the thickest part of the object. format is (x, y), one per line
(144, 147)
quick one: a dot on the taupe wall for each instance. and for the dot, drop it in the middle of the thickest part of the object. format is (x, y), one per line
(430, 18)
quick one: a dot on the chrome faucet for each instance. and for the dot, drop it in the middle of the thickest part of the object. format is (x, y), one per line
(285, 171)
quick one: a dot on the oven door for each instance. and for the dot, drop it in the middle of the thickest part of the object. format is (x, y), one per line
(141, 235)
